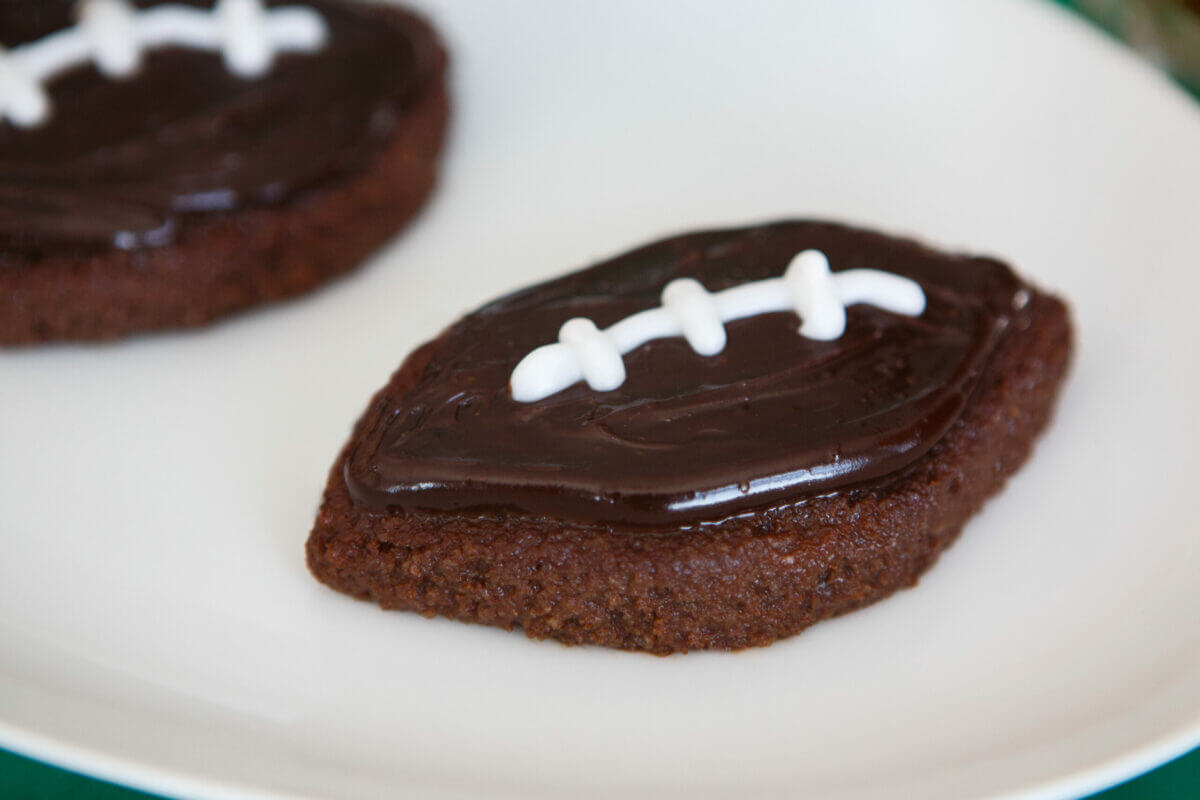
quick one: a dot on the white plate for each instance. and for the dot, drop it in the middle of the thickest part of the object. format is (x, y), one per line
(158, 624)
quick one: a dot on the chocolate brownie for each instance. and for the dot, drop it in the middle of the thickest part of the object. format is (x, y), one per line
(697, 501)
(184, 191)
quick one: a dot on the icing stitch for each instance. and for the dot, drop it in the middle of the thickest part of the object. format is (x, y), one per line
(819, 297)
(113, 34)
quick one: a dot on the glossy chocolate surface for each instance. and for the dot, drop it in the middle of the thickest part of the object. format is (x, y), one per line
(122, 162)
(772, 419)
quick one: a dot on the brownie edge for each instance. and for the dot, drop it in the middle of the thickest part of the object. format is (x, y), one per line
(746, 581)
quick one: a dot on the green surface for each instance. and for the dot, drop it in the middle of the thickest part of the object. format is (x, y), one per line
(25, 779)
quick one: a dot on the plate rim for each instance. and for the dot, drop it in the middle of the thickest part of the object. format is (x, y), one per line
(129, 773)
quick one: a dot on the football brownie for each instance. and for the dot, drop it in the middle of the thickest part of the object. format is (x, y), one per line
(165, 164)
(712, 441)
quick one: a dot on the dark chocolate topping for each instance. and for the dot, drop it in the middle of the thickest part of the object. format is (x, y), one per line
(772, 419)
(119, 161)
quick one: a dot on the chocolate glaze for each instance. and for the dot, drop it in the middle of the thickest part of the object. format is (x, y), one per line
(121, 162)
(772, 419)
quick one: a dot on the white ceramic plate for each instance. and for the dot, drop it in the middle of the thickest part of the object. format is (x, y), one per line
(158, 624)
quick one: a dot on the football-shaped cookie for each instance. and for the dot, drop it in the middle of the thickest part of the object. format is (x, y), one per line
(711, 441)
(164, 164)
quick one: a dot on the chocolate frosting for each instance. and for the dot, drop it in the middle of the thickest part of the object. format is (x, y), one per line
(122, 161)
(772, 419)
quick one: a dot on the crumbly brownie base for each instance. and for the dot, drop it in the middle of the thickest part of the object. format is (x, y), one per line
(221, 263)
(743, 582)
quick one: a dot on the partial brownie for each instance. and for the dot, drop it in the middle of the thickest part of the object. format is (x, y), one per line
(185, 192)
(708, 501)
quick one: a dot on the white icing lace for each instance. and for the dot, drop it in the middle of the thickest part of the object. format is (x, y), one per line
(819, 297)
(113, 34)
